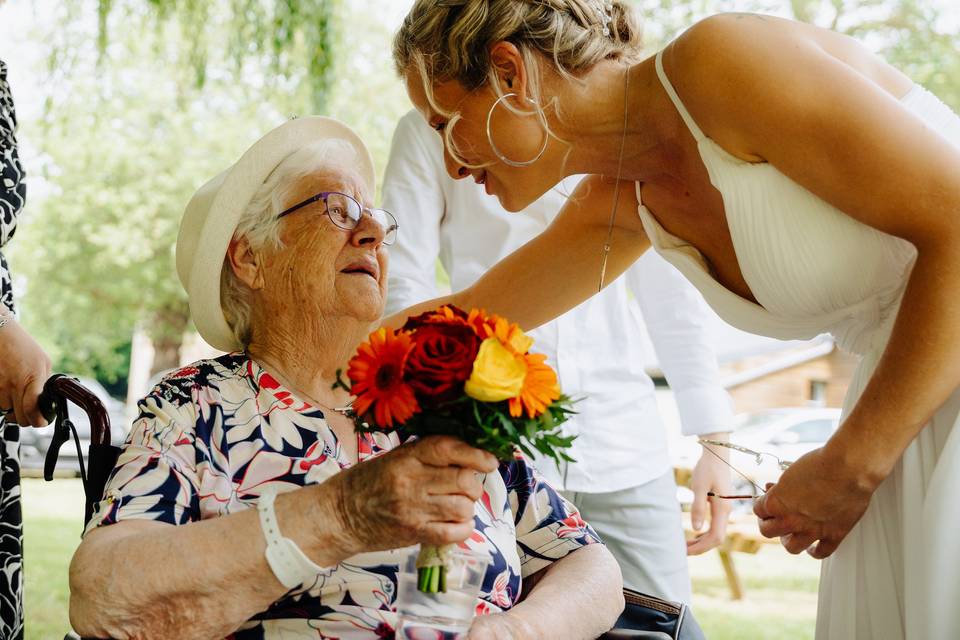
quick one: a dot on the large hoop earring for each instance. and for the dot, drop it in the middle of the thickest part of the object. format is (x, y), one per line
(504, 159)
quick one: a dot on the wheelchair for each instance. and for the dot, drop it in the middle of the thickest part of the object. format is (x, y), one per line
(644, 618)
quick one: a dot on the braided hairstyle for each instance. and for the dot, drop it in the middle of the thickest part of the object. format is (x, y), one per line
(451, 39)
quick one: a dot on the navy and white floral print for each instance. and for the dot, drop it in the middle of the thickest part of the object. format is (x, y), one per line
(211, 438)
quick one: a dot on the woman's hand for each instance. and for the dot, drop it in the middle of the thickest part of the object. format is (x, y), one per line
(819, 498)
(24, 369)
(423, 492)
(499, 626)
(710, 475)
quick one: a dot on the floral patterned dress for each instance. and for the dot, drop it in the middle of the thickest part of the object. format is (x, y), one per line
(13, 192)
(211, 438)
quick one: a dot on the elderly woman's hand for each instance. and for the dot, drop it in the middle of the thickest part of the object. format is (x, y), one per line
(24, 369)
(423, 492)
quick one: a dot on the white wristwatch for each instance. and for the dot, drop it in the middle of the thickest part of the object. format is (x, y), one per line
(289, 564)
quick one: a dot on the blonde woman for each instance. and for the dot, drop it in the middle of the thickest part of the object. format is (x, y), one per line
(801, 183)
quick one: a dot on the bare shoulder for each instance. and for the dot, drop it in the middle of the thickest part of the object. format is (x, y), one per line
(726, 45)
(725, 65)
(738, 74)
(715, 42)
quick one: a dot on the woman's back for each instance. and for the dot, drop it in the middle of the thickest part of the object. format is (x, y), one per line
(810, 267)
(813, 269)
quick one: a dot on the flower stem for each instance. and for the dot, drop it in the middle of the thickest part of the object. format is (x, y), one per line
(431, 568)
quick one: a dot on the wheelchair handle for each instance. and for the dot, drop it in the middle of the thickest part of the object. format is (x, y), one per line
(59, 388)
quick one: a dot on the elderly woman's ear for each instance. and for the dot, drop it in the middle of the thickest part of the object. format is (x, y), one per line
(246, 263)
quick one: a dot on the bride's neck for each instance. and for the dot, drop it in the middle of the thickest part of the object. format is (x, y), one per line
(591, 119)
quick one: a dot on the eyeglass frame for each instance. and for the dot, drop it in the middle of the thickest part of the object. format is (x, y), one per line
(758, 458)
(323, 195)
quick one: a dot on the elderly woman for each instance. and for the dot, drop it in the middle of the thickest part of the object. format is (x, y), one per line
(244, 505)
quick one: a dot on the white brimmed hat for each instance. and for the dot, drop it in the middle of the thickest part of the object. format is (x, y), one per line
(213, 212)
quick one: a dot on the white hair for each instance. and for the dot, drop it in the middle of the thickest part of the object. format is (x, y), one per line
(260, 223)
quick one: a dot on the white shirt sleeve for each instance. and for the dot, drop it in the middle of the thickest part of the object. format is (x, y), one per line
(412, 191)
(676, 319)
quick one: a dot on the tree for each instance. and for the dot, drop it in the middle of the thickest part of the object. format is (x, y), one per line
(146, 99)
(128, 133)
(127, 136)
(293, 35)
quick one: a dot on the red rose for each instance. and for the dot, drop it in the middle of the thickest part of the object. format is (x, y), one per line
(447, 314)
(441, 361)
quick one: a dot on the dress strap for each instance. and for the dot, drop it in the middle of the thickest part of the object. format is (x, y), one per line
(687, 118)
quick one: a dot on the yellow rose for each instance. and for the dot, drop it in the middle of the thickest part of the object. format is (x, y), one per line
(498, 373)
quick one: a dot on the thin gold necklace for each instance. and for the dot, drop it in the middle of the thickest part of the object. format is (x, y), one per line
(616, 188)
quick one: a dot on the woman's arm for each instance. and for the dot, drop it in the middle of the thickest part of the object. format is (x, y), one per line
(840, 135)
(560, 268)
(144, 579)
(24, 370)
(577, 597)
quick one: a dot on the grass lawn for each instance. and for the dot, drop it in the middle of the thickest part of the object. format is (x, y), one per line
(52, 518)
(780, 603)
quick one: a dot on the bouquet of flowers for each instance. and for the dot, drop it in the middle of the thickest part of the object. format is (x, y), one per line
(467, 375)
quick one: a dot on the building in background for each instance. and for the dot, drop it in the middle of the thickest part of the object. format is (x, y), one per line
(787, 374)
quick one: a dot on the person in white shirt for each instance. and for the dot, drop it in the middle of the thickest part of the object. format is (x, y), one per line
(622, 480)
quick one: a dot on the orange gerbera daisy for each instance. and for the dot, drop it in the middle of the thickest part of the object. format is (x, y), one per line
(508, 333)
(376, 377)
(540, 387)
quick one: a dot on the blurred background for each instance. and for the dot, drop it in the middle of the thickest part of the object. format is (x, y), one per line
(127, 106)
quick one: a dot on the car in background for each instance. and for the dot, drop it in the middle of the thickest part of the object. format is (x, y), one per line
(35, 442)
(779, 435)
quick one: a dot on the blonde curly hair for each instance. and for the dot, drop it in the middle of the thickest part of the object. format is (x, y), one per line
(451, 39)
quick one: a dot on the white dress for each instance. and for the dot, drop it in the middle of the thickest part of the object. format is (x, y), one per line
(814, 270)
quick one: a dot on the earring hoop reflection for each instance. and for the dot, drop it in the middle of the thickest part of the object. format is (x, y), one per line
(504, 159)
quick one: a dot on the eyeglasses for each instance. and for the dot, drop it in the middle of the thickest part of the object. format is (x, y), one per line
(345, 212)
(758, 457)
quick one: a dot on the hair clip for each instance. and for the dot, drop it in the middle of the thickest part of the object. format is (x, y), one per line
(604, 11)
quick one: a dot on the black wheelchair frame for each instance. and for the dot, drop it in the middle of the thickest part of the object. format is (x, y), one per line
(59, 390)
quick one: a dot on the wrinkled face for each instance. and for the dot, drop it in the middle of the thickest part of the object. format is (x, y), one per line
(322, 268)
(516, 135)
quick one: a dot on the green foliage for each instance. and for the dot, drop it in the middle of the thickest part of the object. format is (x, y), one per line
(912, 36)
(125, 145)
(146, 99)
(293, 37)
